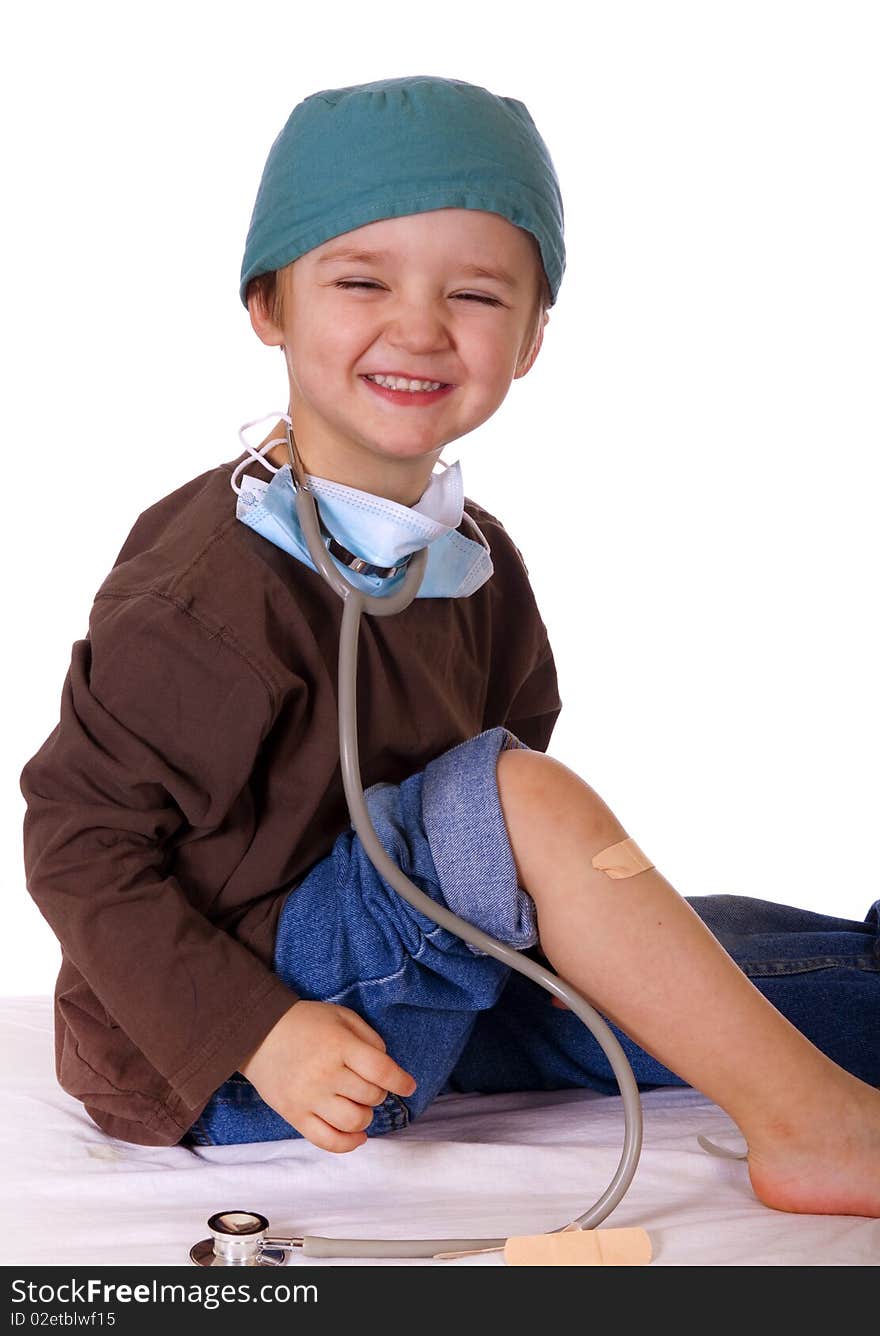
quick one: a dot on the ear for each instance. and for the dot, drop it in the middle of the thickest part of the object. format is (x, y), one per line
(261, 322)
(527, 366)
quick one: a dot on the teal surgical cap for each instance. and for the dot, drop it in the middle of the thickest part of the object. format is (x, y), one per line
(350, 156)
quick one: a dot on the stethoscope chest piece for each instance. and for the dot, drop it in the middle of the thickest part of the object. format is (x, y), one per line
(238, 1238)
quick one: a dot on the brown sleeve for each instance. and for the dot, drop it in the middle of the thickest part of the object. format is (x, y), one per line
(536, 707)
(160, 723)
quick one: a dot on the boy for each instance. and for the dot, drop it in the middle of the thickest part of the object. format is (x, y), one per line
(233, 967)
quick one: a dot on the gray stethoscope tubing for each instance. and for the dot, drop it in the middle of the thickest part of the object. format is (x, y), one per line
(354, 603)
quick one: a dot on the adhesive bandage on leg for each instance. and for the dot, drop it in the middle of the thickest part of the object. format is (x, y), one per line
(624, 859)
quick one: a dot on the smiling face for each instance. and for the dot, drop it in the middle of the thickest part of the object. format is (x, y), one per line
(417, 308)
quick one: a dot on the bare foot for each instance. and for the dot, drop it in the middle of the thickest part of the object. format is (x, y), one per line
(827, 1166)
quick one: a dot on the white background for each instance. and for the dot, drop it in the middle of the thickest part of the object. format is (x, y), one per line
(689, 469)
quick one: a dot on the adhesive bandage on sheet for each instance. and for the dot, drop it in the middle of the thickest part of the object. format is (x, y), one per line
(624, 859)
(588, 1247)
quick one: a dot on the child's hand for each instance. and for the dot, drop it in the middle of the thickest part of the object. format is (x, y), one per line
(323, 1068)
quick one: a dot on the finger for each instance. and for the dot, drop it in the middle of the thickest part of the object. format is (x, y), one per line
(345, 1115)
(381, 1070)
(557, 1002)
(325, 1137)
(355, 1087)
(364, 1030)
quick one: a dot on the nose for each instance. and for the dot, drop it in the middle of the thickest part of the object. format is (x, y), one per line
(418, 327)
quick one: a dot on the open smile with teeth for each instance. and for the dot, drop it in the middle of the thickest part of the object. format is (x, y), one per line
(398, 383)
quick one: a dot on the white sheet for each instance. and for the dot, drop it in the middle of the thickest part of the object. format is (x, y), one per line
(472, 1166)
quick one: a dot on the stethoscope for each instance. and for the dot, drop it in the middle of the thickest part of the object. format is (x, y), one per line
(241, 1238)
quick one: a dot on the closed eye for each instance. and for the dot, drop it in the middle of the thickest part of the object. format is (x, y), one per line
(466, 296)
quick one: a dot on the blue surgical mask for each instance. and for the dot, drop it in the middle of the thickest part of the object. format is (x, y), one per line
(370, 528)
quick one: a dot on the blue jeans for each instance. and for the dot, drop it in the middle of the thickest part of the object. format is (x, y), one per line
(459, 1020)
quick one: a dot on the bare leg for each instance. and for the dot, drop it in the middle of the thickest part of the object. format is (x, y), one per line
(813, 1130)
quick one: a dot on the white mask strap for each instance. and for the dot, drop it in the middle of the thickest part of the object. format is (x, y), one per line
(257, 454)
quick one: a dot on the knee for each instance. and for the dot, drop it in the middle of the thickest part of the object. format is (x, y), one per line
(530, 783)
(546, 808)
(528, 780)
